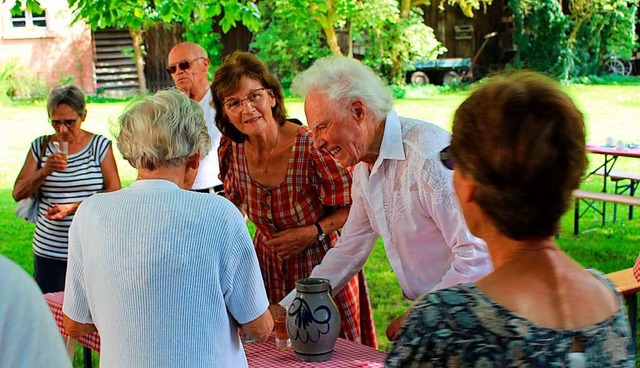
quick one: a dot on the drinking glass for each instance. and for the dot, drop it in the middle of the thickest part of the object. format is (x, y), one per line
(61, 148)
(279, 315)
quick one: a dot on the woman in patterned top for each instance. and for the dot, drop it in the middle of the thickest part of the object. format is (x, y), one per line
(296, 196)
(519, 151)
(63, 182)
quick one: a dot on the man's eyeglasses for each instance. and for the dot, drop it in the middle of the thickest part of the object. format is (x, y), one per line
(67, 122)
(183, 65)
(256, 96)
(447, 158)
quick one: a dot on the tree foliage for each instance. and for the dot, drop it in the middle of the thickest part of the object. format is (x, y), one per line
(392, 33)
(197, 17)
(573, 44)
(393, 40)
(287, 41)
(140, 13)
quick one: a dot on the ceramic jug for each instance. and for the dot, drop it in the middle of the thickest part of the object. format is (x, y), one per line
(313, 321)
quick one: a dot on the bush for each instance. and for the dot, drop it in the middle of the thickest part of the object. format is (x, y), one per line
(17, 85)
(398, 91)
(608, 79)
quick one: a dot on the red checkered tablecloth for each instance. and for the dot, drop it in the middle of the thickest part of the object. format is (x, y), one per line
(92, 340)
(636, 269)
(347, 354)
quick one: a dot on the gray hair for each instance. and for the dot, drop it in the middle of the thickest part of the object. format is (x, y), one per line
(162, 130)
(343, 79)
(69, 95)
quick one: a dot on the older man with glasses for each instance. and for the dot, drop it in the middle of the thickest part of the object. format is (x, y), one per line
(400, 191)
(188, 64)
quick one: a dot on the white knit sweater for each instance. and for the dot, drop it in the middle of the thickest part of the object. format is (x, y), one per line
(165, 274)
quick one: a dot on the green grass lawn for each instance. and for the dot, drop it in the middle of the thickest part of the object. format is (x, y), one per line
(609, 111)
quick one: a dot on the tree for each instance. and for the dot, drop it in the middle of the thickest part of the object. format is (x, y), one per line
(136, 15)
(392, 31)
(572, 44)
(287, 41)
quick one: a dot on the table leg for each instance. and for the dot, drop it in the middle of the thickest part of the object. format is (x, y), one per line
(608, 166)
(633, 185)
(88, 362)
(632, 304)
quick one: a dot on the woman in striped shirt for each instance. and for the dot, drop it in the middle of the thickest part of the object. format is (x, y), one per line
(63, 180)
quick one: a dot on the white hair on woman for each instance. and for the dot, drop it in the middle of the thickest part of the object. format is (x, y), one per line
(162, 130)
(343, 79)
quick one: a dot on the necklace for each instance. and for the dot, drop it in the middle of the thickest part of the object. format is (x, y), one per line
(257, 160)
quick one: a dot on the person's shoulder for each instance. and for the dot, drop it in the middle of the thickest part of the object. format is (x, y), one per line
(425, 139)
(424, 128)
(99, 138)
(98, 141)
(97, 201)
(449, 297)
(304, 138)
(40, 139)
(38, 142)
(205, 202)
(10, 269)
(13, 279)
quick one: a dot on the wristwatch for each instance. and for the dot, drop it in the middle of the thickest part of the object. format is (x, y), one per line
(321, 234)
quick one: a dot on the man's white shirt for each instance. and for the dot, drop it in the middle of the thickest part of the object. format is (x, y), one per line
(408, 199)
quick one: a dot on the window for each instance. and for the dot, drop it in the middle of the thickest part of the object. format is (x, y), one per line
(18, 22)
(27, 19)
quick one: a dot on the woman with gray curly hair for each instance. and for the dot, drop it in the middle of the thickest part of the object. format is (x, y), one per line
(167, 276)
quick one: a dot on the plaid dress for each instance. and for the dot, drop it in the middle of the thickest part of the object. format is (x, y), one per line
(314, 185)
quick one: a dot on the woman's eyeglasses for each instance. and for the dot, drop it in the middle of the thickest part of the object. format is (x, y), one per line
(183, 65)
(234, 105)
(447, 158)
(67, 122)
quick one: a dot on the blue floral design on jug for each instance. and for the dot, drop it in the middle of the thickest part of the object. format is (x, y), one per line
(306, 321)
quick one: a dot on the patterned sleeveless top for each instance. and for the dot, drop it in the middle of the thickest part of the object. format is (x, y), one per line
(81, 179)
(462, 327)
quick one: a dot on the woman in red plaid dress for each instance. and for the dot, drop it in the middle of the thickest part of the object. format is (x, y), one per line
(296, 196)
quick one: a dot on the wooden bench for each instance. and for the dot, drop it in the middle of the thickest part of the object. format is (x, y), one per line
(591, 197)
(627, 285)
(620, 179)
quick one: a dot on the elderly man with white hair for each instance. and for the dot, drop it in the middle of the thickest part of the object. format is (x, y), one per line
(166, 276)
(400, 190)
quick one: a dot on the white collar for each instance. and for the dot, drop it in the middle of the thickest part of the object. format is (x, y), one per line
(391, 147)
(153, 184)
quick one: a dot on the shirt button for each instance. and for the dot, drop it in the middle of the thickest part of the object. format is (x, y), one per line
(265, 206)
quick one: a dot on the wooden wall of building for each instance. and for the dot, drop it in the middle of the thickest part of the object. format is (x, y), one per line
(463, 36)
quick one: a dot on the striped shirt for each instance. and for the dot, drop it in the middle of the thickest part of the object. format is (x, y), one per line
(81, 179)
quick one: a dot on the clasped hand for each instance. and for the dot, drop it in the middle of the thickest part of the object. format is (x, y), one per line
(289, 243)
(60, 211)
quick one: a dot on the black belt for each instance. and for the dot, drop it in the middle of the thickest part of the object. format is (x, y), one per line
(218, 189)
